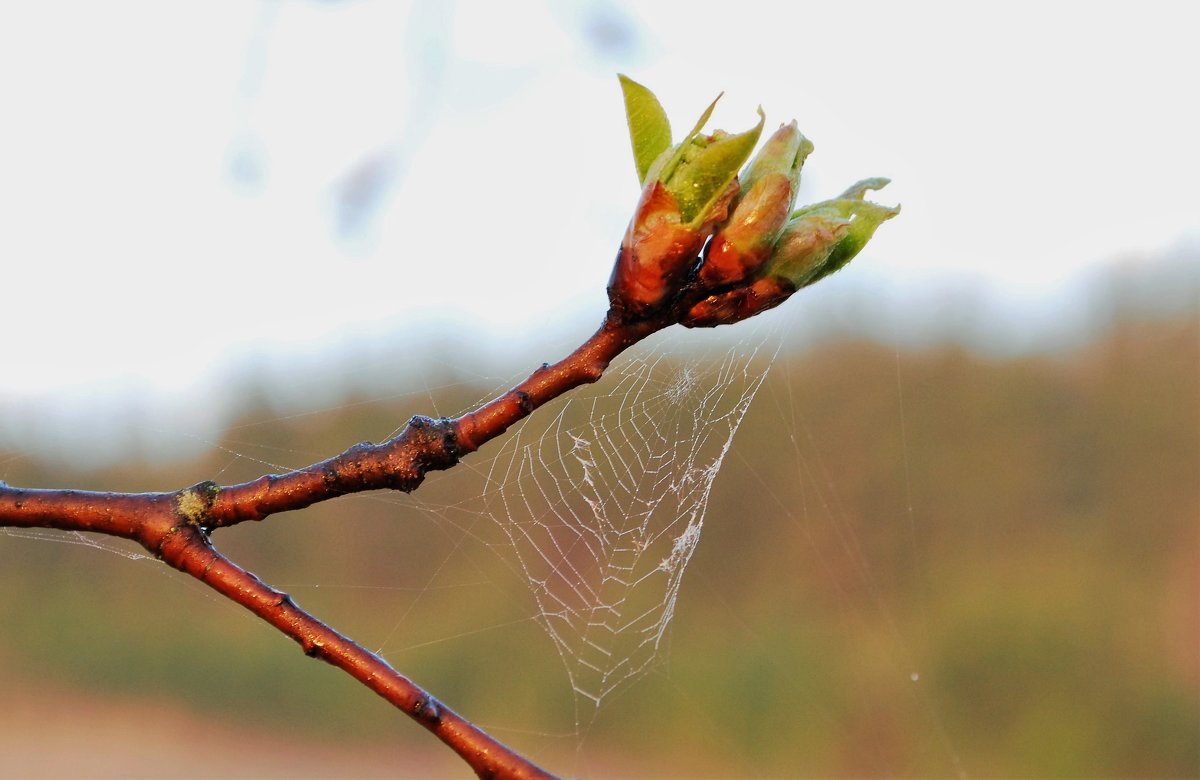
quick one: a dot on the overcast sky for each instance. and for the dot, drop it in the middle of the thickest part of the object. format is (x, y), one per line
(183, 185)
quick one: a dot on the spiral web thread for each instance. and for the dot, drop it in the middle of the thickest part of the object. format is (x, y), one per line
(605, 502)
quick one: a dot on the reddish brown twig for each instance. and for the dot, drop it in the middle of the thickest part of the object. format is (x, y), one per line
(176, 527)
(663, 275)
(425, 445)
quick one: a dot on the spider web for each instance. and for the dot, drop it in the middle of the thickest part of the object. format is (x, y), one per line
(596, 503)
(603, 504)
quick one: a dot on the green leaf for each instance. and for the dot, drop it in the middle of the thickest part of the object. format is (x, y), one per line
(865, 218)
(668, 165)
(822, 238)
(858, 190)
(649, 128)
(704, 118)
(706, 170)
(855, 192)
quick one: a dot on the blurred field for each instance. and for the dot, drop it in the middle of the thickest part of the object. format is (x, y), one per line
(914, 564)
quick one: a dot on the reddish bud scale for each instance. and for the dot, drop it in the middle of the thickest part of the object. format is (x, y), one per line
(658, 250)
(738, 304)
(746, 241)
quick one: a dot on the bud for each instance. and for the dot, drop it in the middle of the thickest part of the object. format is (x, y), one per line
(686, 191)
(820, 239)
(817, 241)
(768, 191)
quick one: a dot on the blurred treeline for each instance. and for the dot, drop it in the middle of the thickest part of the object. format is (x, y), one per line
(914, 563)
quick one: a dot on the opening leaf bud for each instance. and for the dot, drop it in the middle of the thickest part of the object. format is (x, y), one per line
(686, 191)
(768, 192)
(820, 239)
(760, 252)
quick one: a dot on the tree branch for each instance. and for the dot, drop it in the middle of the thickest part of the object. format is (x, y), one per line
(188, 550)
(176, 527)
(425, 445)
(699, 251)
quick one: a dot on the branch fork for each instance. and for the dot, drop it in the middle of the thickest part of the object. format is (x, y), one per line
(707, 245)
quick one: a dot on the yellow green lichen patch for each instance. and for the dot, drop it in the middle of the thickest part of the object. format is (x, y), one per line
(193, 503)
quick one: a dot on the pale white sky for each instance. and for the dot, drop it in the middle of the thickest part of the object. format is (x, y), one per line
(189, 186)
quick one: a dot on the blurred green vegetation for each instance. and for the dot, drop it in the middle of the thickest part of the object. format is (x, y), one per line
(914, 563)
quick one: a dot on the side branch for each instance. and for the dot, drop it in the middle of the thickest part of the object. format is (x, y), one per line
(425, 445)
(188, 550)
(583, 366)
(176, 526)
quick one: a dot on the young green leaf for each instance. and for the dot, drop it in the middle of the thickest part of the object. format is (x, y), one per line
(649, 129)
(668, 163)
(820, 239)
(858, 190)
(708, 170)
(865, 218)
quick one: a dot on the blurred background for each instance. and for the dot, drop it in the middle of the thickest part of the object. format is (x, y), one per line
(958, 532)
